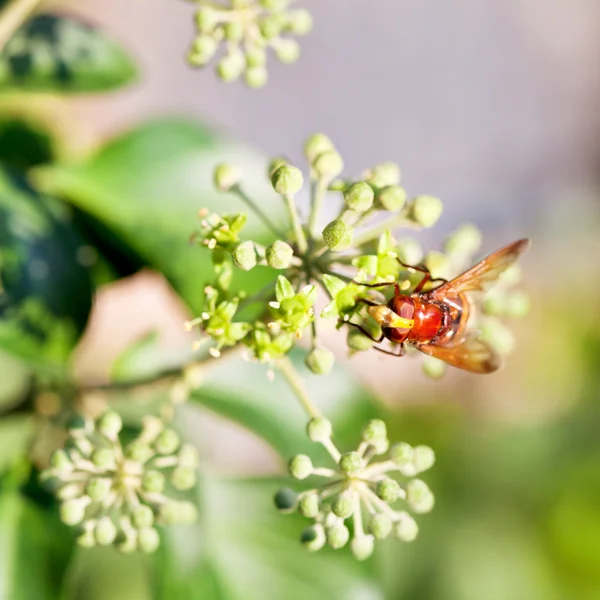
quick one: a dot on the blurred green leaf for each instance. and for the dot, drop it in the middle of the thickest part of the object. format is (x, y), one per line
(53, 53)
(146, 187)
(15, 435)
(24, 144)
(45, 287)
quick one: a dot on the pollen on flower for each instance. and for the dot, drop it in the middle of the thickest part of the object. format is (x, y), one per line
(214, 352)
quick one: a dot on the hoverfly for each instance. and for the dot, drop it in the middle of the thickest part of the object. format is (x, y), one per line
(435, 322)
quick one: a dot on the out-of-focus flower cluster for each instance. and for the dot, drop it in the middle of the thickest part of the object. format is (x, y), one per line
(356, 504)
(246, 30)
(114, 494)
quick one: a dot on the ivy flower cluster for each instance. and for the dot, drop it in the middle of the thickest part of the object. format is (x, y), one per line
(117, 495)
(359, 491)
(246, 29)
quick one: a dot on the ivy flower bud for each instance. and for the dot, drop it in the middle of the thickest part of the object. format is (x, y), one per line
(110, 425)
(426, 210)
(308, 504)
(300, 467)
(148, 540)
(178, 513)
(319, 429)
(287, 51)
(337, 536)
(183, 479)
(313, 537)
(388, 490)
(518, 304)
(206, 19)
(338, 235)
(357, 340)
(401, 454)
(153, 481)
(279, 255)
(97, 489)
(270, 26)
(86, 539)
(328, 164)
(362, 547)
(464, 241)
(351, 462)
(285, 500)
(320, 360)
(256, 77)
(203, 49)
(359, 196)
(60, 461)
(275, 164)
(233, 31)
(105, 531)
(104, 458)
(244, 256)
(188, 457)
(423, 458)
(384, 174)
(406, 528)
(300, 22)
(167, 442)
(316, 144)
(380, 525)
(419, 496)
(126, 543)
(343, 506)
(139, 452)
(373, 431)
(287, 180)
(392, 198)
(230, 67)
(225, 177)
(72, 512)
(143, 517)
(256, 57)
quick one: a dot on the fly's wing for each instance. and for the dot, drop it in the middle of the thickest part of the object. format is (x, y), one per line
(472, 354)
(484, 273)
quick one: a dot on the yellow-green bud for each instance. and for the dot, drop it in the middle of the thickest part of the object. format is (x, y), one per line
(244, 256)
(423, 458)
(419, 496)
(279, 255)
(338, 235)
(343, 506)
(206, 19)
(388, 490)
(167, 442)
(270, 26)
(308, 504)
(380, 525)
(328, 164)
(203, 49)
(287, 179)
(517, 304)
(438, 264)
(60, 461)
(110, 425)
(256, 57)
(126, 543)
(406, 528)
(188, 457)
(337, 536)
(374, 430)
(183, 479)
(380, 446)
(275, 164)
(500, 337)
(143, 516)
(139, 452)
(86, 539)
(256, 77)
(313, 538)
(98, 488)
(409, 251)
(274, 5)
(464, 241)
(319, 429)
(362, 547)
(401, 454)
(300, 22)
(351, 462)
(104, 458)
(320, 360)
(105, 531)
(359, 196)
(153, 481)
(225, 177)
(392, 197)
(148, 540)
(433, 367)
(178, 513)
(495, 303)
(230, 67)
(357, 340)
(426, 210)
(300, 467)
(287, 50)
(72, 512)
(387, 173)
(316, 144)
(233, 31)
(285, 500)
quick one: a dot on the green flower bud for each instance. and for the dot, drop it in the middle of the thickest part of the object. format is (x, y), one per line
(419, 496)
(409, 251)
(188, 457)
(308, 504)
(110, 425)
(97, 489)
(495, 303)
(60, 461)
(300, 467)
(337, 536)
(316, 144)
(86, 539)
(380, 446)
(392, 197)
(374, 430)
(233, 31)
(362, 547)
(497, 335)
(328, 164)
(511, 276)
(517, 304)
(104, 458)
(426, 210)
(464, 241)
(183, 479)
(338, 236)
(351, 462)
(313, 538)
(287, 179)
(438, 265)
(270, 26)
(225, 177)
(105, 531)
(388, 490)
(274, 5)
(287, 50)
(406, 528)
(256, 57)
(359, 196)
(256, 77)
(319, 429)
(423, 458)
(279, 255)
(143, 517)
(203, 49)
(357, 340)
(139, 452)
(244, 256)
(285, 500)
(72, 512)
(148, 540)
(230, 67)
(433, 367)
(343, 506)
(78, 424)
(167, 442)
(401, 454)
(320, 360)
(206, 19)
(387, 173)
(153, 481)
(178, 513)
(275, 164)
(71, 490)
(126, 543)
(300, 22)
(380, 525)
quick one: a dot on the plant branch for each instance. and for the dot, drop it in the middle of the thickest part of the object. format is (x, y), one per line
(236, 189)
(296, 223)
(13, 16)
(372, 234)
(317, 192)
(289, 372)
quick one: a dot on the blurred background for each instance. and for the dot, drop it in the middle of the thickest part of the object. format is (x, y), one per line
(492, 106)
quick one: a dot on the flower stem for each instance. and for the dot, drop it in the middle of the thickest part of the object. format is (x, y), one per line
(236, 189)
(317, 192)
(298, 231)
(291, 376)
(13, 16)
(375, 232)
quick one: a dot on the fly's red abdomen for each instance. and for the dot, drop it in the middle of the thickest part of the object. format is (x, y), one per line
(429, 318)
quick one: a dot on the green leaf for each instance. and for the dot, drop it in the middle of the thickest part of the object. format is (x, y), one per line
(146, 187)
(45, 290)
(15, 436)
(53, 53)
(333, 284)
(271, 409)
(283, 289)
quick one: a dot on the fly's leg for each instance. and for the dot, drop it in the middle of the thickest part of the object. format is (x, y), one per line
(367, 333)
(426, 276)
(399, 354)
(384, 284)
